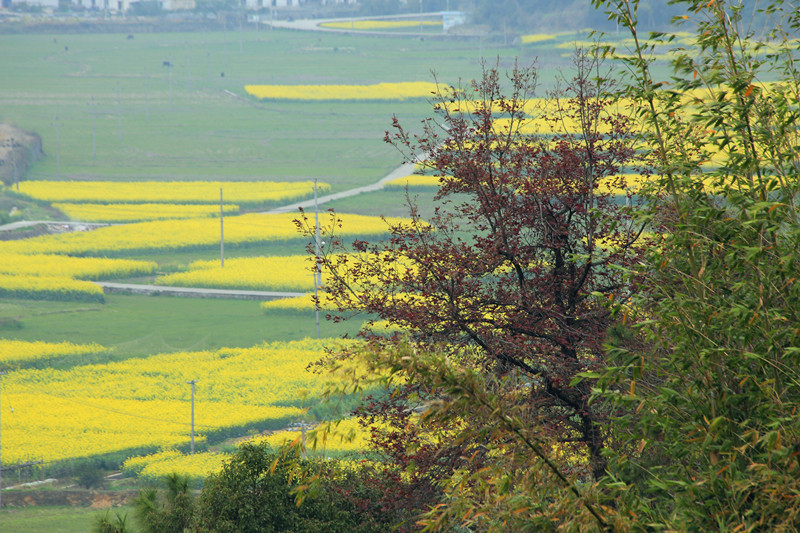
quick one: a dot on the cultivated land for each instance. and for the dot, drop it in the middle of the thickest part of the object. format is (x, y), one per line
(108, 107)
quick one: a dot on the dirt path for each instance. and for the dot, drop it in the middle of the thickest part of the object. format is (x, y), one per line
(399, 172)
(191, 292)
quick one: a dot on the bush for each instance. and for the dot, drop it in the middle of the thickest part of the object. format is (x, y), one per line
(89, 476)
(105, 523)
(169, 511)
(256, 492)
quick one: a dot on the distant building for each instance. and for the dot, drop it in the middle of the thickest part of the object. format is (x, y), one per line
(103, 5)
(178, 5)
(109, 5)
(453, 18)
(43, 3)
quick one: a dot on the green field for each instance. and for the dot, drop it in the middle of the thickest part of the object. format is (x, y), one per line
(136, 326)
(54, 519)
(190, 122)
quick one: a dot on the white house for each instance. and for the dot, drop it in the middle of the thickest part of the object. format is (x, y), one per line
(258, 4)
(44, 3)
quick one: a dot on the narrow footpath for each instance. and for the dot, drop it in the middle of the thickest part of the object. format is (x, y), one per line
(192, 292)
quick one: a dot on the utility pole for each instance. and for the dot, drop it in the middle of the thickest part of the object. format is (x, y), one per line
(188, 65)
(119, 114)
(58, 151)
(1, 459)
(192, 384)
(208, 69)
(170, 81)
(94, 134)
(221, 232)
(12, 154)
(317, 242)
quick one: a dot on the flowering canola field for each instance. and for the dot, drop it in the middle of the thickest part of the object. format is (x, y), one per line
(54, 277)
(343, 437)
(15, 351)
(49, 288)
(378, 91)
(279, 273)
(189, 192)
(380, 24)
(89, 268)
(295, 304)
(537, 38)
(157, 465)
(414, 180)
(140, 212)
(145, 403)
(182, 235)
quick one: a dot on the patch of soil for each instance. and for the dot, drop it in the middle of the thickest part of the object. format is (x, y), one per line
(34, 231)
(96, 499)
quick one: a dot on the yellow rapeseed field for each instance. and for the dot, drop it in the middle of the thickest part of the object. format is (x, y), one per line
(299, 303)
(280, 273)
(157, 465)
(183, 234)
(380, 24)
(378, 91)
(49, 288)
(537, 38)
(88, 268)
(140, 212)
(190, 192)
(414, 180)
(338, 436)
(531, 107)
(16, 351)
(144, 403)
(345, 436)
(633, 183)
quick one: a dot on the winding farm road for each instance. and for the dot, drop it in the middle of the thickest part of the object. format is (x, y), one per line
(190, 292)
(399, 172)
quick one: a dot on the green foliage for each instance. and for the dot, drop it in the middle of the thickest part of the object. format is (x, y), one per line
(89, 475)
(704, 385)
(528, 15)
(255, 492)
(511, 476)
(712, 387)
(108, 523)
(166, 511)
(146, 8)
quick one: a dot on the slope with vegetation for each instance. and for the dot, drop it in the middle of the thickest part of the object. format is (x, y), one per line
(566, 378)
